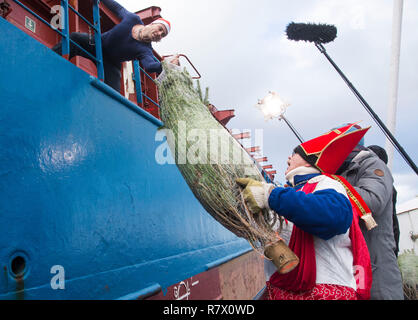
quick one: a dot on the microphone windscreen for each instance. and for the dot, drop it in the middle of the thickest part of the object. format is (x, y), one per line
(322, 33)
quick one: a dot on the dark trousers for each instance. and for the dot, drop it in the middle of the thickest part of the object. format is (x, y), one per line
(111, 70)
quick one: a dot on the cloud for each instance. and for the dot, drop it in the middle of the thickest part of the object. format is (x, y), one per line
(241, 50)
(406, 185)
(353, 14)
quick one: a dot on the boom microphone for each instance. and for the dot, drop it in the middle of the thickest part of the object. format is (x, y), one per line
(317, 33)
(324, 33)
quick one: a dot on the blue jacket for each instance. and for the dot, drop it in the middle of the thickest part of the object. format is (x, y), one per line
(118, 44)
(323, 213)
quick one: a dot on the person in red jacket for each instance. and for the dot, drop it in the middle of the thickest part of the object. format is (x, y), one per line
(322, 225)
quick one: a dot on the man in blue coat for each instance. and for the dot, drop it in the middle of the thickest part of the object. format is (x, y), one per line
(128, 40)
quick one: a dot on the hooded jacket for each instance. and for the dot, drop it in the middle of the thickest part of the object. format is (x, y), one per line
(373, 181)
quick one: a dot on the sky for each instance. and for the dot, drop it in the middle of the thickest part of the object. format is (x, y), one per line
(241, 50)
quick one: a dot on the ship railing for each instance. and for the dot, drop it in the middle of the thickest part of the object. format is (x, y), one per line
(137, 76)
(65, 33)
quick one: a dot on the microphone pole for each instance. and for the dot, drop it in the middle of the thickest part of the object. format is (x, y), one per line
(295, 132)
(375, 117)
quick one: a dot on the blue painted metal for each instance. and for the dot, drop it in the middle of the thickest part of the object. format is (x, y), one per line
(143, 294)
(146, 74)
(151, 100)
(65, 29)
(139, 93)
(137, 77)
(80, 187)
(266, 176)
(84, 50)
(98, 40)
(222, 260)
(116, 95)
(260, 293)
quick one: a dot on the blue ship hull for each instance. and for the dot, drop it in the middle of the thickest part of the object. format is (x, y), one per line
(81, 192)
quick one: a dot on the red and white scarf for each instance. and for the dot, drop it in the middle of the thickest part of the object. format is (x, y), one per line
(303, 278)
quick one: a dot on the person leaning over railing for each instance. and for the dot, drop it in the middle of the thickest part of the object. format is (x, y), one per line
(126, 41)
